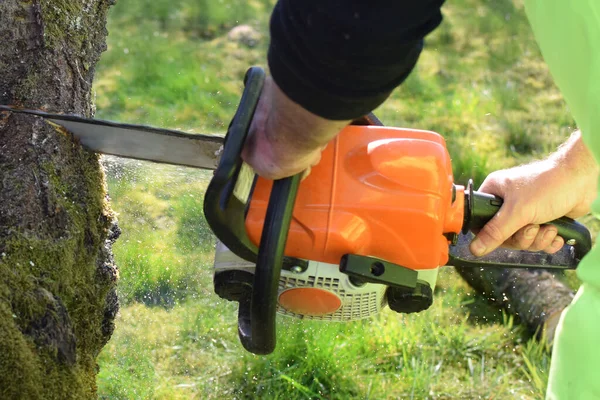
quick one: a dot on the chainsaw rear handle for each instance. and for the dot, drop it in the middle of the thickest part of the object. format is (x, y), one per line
(481, 207)
(226, 204)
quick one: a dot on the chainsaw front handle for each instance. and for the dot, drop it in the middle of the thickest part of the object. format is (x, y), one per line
(226, 203)
(260, 336)
(228, 194)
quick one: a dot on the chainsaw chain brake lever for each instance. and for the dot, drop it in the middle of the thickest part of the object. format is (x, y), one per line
(226, 203)
(481, 207)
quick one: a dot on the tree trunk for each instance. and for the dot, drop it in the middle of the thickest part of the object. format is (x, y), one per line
(57, 276)
(535, 296)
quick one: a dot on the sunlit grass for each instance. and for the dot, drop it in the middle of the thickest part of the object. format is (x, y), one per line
(192, 351)
(165, 249)
(480, 83)
(159, 70)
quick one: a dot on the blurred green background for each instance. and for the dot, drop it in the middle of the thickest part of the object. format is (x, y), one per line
(481, 83)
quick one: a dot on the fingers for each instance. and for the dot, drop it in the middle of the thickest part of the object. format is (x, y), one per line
(305, 174)
(524, 238)
(284, 139)
(316, 160)
(511, 226)
(496, 232)
(547, 240)
(556, 245)
(534, 237)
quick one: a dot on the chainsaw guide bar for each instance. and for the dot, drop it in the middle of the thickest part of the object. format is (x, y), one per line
(137, 141)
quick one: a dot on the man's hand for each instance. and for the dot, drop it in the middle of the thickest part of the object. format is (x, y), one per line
(562, 185)
(284, 138)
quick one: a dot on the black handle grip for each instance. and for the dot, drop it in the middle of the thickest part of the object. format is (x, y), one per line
(481, 207)
(258, 334)
(228, 194)
(226, 203)
(485, 206)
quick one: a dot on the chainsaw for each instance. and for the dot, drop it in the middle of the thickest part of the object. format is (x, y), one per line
(368, 228)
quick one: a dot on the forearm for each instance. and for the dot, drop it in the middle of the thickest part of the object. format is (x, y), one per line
(576, 161)
(335, 61)
(330, 62)
(306, 131)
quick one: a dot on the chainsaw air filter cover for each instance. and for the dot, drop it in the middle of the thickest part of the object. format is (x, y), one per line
(377, 190)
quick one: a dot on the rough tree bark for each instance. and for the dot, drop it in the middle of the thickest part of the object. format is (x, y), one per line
(57, 276)
(536, 297)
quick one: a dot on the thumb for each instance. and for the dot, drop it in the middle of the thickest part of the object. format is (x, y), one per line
(501, 227)
(497, 231)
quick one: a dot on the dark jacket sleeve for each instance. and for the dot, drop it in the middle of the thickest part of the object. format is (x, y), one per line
(340, 59)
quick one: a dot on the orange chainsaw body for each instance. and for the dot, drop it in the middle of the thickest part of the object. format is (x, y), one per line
(377, 191)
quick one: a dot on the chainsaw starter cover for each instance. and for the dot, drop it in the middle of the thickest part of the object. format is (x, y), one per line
(313, 302)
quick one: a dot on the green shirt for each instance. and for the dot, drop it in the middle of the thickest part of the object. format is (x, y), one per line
(568, 33)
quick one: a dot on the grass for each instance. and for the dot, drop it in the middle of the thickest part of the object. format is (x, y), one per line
(480, 83)
(166, 239)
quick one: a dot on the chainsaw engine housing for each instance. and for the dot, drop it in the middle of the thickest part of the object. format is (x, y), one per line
(376, 191)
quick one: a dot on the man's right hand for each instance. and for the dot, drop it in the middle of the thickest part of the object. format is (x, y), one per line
(284, 138)
(562, 185)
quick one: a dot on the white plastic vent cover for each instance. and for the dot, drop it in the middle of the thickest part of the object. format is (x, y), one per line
(357, 302)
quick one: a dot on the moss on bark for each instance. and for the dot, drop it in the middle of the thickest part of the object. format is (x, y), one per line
(57, 275)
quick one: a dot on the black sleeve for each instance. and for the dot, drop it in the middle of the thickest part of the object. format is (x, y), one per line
(340, 59)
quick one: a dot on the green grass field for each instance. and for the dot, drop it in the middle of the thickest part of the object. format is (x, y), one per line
(480, 83)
